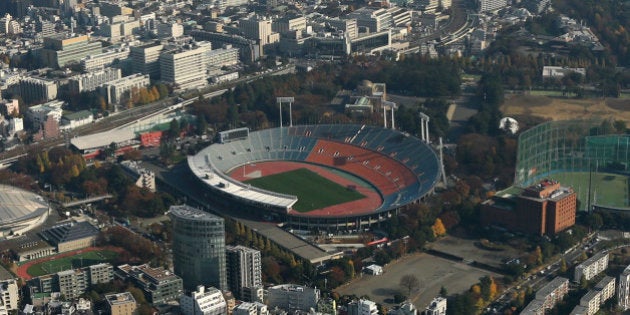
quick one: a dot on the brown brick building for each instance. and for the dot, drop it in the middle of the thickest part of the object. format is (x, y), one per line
(543, 208)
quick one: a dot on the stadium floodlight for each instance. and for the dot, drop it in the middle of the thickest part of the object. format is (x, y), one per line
(286, 99)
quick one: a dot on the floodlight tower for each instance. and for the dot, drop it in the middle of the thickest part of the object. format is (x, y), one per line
(286, 99)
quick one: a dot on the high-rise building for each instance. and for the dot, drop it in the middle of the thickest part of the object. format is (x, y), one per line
(185, 67)
(198, 247)
(243, 269)
(491, 5)
(59, 51)
(623, 290)
(146, 59)
(204, 301)
(259, 30)
(376, 20)
(36, 90)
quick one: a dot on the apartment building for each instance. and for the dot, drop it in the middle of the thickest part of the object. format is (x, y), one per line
(591, 267)
(159, 285)
(203, 301)
(121, 304)
(244, 269)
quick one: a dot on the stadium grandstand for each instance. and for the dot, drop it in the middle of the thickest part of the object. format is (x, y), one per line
(400, 168)
(20, 211)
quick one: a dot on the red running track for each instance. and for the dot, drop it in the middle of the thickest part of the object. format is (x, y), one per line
(22, 269)
(362, 206)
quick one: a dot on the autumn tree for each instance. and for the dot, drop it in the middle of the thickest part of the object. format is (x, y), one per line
(409, 283)
(438, 228)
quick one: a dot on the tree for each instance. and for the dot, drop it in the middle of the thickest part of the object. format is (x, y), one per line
(438, 228)
(443, 292)
(410, 283)
(583, 282)
(563, 265)
(539, 256)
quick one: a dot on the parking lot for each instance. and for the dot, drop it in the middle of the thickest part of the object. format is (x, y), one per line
(433, 273)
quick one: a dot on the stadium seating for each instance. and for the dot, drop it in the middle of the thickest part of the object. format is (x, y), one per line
(400, 166)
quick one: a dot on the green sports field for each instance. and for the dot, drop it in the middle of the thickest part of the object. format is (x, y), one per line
(313, 191)
(606, 189)
(69, 262)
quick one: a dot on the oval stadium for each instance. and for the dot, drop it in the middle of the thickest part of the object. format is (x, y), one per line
(20, 210)
(317, 177)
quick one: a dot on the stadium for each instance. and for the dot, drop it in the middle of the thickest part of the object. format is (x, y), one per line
(317, 177)
(20, 210)
(586, 155)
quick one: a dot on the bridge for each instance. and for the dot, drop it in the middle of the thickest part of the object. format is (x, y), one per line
(86, 200)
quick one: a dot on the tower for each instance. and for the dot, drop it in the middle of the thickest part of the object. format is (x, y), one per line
(198, 247)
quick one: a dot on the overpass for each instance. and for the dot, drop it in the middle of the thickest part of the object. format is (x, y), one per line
(86, 200)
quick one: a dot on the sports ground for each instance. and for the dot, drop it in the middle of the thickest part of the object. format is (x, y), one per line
(607, 189)
(314, 191)
(320, 190)
(66, 261)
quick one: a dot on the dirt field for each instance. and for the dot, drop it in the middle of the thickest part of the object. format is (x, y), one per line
(565, 109)
(433, 273)
(466, 249)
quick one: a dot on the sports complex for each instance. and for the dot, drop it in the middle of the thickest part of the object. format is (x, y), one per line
(317, 177)
(20, 210)
(585, 155)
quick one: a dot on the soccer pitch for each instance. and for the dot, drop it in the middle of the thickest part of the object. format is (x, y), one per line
(313, 191)
(75, 261)
(607, 189)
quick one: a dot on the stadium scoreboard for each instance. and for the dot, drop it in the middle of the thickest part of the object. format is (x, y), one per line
(233, 135)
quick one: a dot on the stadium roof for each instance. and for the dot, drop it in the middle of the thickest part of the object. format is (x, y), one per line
(69, 231)
(17, 205)
(103, 139)
(210, 176)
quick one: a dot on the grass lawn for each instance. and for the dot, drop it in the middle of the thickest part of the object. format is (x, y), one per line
(74, 261)
(313, 191)
(606, 189)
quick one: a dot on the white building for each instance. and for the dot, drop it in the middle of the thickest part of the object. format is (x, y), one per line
(221, 57)
(74, 120)
(39, 113)
(117, 91)
(203, 302)
(106, 59)
(591, 301)
(374, 270)
(367, 307)
(259, 30)
(92, 80)
(15, 125)
(606, 287)
(292, 297)
(9, 294)
(185, 67)
(10, 106)
(244, 270)
(623, 291)
(146, 59)
(559, 72)
(375, 20)
(436, 307)
(347, 26)
(247, 308)
(591, 267)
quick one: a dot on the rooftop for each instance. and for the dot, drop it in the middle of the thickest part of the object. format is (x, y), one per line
(550, 287)
(120, 298)
(188, 212)
(69, 231)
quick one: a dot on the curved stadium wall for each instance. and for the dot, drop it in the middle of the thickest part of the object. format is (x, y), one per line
(212, 164)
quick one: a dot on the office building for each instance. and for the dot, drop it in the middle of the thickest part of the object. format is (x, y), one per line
(121, 304)
(72, 283)
(114, 8)
(286, 24)
(348, 27)
(106, 59)
(198, 247)
(545, 208)
(292, 297)
(36, 90)
(547, 297)
(436, 307)
(185, 67)
(623, 291)
(119, 91)
(490, 5)
(248, 308)
(59, 51)
(146, 59)
(159, 285)
(9, 294)
(591, 267)
(259, 30)
(204, 301)
(222, 57)
(166, 30)
(243, 269)
(92, 80)
(373, 20)
(224, 4)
